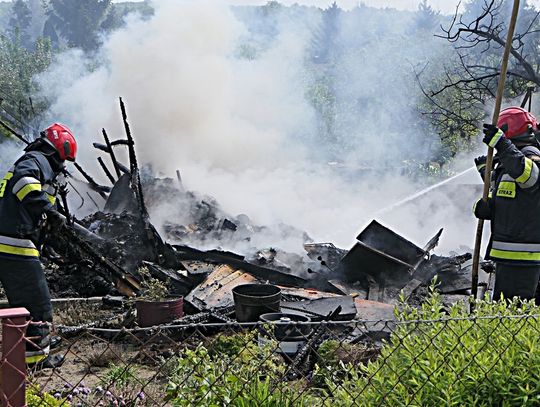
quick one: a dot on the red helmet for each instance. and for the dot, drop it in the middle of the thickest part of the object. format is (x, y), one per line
(62, 139)
(518, 121)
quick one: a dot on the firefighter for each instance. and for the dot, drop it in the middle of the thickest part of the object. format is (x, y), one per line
(27, 204)
(513, 206)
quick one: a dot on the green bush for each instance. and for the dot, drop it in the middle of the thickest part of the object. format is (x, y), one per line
(436, 357)
(242, 375)
(37, 398)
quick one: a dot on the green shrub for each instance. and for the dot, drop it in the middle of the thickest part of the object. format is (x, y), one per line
(37, 398)
(243, 375)
(451, 359)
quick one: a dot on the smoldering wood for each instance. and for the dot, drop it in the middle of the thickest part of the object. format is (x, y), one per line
(120, 142)
(111, 153)
(100, 189)
(151, 235)
(63, 195)
(106, 170)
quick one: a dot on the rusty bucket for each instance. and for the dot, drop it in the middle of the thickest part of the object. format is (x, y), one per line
(150, 313)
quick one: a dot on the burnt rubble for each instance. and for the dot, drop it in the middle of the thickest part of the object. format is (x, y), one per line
(102, 254)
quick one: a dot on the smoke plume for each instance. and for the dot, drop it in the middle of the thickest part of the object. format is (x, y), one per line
(240, 127)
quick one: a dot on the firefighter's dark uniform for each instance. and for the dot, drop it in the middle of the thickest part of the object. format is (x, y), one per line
(514, 211)
(27, 192)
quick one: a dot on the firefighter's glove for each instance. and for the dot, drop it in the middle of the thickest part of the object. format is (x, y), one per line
(492, 134)
(482, 210)
(480, 162)
(55, 219)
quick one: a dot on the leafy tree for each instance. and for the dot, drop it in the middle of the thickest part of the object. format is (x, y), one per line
(456, 96)
(19, 22)
(18, 66)
(426, 17)
(325, 44)
(78, 22)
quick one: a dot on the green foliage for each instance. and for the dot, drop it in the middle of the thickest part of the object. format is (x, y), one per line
(18, 66)
(119, 376)
(452, 358)
(237, 372)
(152, 288)
(79, 22)
(36, 398)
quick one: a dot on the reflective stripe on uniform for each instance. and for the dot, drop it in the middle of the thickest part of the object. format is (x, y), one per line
(523, 247)
(508, 255)
(35, 359)
(26, 185)
(20, 247)
(515, 251)
(506, 189)
(51, 198)
(50, 191)
(529, 176)
(37, 356)
(4, 182)
(495, 139)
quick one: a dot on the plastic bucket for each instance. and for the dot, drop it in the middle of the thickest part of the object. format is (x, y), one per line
(150, 313)
(253, 300)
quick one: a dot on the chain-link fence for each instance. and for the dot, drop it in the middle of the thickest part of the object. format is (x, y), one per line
(450, 361)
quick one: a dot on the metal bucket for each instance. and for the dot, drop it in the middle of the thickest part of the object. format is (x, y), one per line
(253, 300)
(291, 336)
(150, 313)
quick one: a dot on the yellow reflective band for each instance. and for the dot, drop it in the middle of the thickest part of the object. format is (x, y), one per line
(4, 182)
(508, 255)
(34, 359)
(20, 251)
(27, 189)
(51, 198)
(526, 172)
(496, 137)
(506, 189)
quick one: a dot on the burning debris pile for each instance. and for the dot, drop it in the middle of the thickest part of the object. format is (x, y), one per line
(117, 251)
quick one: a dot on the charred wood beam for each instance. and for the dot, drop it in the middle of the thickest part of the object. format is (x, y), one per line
(101, 147)
(123, 168)
(111, 153)
(63, 195)
(151, 234)
(124, 282)
(262, 273)
(105, 149)
(106, 170)
(119, 143)
(134, 166)
(100, 189)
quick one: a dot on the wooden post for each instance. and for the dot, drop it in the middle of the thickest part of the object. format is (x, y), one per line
(489, 161)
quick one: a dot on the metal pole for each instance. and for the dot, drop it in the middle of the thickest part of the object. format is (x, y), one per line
(489, 161)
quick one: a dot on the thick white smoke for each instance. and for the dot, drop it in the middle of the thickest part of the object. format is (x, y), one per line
(234, 126)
